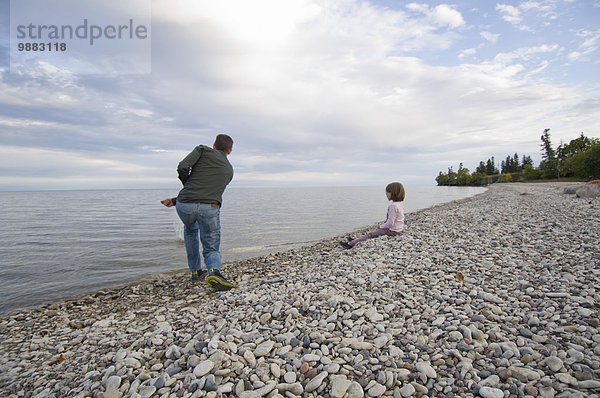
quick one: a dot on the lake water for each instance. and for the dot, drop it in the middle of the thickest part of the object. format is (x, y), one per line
(60, 244)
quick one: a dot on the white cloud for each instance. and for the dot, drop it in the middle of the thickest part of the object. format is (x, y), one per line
(467, 52)
(422, 8)
(543, 12)
(588, 47)
(526, 53)
(444, 15)
(491, 37)
(510, 13)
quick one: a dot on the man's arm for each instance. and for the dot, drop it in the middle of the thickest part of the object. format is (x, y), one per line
(184, 168)
(169, 202)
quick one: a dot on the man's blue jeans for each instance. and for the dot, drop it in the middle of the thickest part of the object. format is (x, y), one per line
(201, 218)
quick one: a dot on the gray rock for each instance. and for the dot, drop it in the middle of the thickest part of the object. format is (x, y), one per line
(294, 388)
(113, 382)
(210, 384)
(315, 382)
(407, 391)
(339, 385)
(203, 368)
(426, 369)
(571, 190)
(554, 363)
(590, 384)
(147, 392)
(588, 191)
(264, 348)
(376, 390)
(355, 390)
(490, 392)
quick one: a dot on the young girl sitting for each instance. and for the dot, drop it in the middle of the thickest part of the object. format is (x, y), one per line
(395, 216)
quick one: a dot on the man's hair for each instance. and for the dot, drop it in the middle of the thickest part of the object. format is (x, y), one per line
(223, 143)
(396, 191)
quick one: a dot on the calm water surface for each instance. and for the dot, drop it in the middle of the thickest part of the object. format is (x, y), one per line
(59, 244)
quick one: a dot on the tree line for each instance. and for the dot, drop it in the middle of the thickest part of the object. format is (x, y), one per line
(580, 159)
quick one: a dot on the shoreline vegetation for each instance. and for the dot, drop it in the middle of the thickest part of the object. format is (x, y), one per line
(579, 160)
(494, 295)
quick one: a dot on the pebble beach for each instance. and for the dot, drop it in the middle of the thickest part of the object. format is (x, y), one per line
(497, 295)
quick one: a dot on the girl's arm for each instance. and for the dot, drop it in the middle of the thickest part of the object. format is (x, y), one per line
(391, 216)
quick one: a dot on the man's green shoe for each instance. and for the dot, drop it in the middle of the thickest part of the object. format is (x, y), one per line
(215, 280)
(198, 276)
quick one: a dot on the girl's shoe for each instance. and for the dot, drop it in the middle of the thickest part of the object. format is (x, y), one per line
(345, 245)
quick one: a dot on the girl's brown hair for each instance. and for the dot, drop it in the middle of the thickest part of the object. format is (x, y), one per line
(396, 191)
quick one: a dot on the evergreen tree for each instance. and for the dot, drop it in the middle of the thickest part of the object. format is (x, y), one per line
(548, 152)
(549, 164)
(511, 164)
(481, 168)
(490, 167)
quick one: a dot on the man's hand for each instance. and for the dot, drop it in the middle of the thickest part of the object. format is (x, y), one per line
(167, 202)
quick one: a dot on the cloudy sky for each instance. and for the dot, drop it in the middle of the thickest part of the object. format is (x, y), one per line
(324, 92)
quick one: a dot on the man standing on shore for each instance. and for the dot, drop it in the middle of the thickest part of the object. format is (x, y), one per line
(205, 173)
